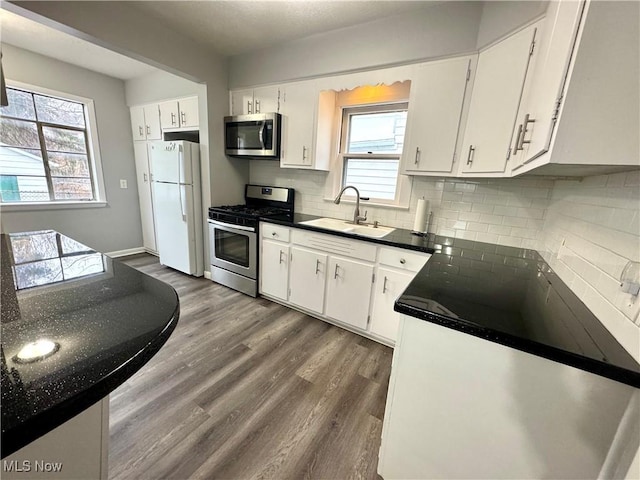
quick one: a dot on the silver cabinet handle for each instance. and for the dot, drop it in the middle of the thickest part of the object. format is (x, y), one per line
(257, 105)
(515, 149)
(403, 261)
(173, 118)
(144, 177)
(526, 122)
(273, 234)
(471, 154)
(281, 252)
(249, 107)
(417, 160)
(335, 273)
(384, 285)
(317, 266)
(183, 117)
(148, 130)
(304, 154)
(140, 130)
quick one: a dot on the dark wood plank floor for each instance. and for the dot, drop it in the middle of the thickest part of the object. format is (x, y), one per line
(247, 388)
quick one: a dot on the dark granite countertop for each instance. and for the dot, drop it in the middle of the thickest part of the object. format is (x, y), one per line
(105, 321)
(511, 296)
(400, 237)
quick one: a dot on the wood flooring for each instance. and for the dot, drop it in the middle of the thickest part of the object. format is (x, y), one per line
(247, 388)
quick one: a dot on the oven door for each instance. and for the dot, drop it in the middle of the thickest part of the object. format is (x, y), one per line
(234, 248)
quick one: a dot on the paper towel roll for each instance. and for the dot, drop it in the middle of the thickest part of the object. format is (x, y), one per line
(422, 215)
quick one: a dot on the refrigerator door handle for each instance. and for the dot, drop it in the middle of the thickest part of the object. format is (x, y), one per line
(180, 164)
(183, 191)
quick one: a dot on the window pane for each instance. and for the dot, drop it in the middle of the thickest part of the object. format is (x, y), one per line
(20, 105)
(18, 133)
(38, 273)
(62, 112)
(373, 178)
(68, 165)
(72, 188)
(377, 132)
(29, 248)
(81, 265)
(63, 140)
(71, 246)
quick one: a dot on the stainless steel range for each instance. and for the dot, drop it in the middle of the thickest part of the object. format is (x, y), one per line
(233, 237)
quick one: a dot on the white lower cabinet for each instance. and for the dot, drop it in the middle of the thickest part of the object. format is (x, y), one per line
(307, 274)
(349, 291)
(332, 278)
(388, 287)
(145, 194)
(274, 259)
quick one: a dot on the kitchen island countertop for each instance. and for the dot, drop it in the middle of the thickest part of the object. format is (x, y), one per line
(104, 320)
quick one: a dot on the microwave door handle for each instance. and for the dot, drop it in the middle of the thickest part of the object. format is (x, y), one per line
(262, 129)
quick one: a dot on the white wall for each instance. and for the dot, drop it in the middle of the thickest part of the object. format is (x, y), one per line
(501, 18)
(158, 86)
(117, 226)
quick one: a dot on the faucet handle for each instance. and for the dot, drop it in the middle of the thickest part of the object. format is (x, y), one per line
(364, 219)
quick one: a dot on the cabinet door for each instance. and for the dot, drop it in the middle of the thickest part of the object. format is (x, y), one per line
(169, 115)
(497, 89)
(137, 123)
(433, 120)
(349, 291)
(544, 92)
(298, 109)
(189, 112)
(241, 102)
(274, 269)
(388, 287)
(143, 179)
(152, 122)
(266, 100)
(307, 278)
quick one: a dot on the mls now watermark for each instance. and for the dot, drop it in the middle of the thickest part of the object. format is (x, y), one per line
(29, 466)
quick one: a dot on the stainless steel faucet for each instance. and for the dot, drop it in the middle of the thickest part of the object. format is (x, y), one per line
(356, 214)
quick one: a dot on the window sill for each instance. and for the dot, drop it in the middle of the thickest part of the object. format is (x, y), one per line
(369, 203)
(25, 207)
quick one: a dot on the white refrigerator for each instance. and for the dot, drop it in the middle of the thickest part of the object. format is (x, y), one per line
(177, 201)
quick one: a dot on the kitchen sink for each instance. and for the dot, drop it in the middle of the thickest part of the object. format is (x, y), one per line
(348, 227)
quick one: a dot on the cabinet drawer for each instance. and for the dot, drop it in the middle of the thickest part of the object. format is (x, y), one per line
(275, 232)
(335, 244)
(403, 259)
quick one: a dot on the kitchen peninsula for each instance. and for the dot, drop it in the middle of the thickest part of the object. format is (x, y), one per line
(76, 324)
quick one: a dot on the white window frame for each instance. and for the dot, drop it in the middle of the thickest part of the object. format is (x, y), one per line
(403, 182)
(93, 144)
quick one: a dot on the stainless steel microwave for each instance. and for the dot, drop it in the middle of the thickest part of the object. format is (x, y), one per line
(253, 136)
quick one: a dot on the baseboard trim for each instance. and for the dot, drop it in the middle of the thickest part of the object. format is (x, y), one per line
(124, 253)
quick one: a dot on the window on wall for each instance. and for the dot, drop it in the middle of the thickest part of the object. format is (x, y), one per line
(371, 145)
(46, 152)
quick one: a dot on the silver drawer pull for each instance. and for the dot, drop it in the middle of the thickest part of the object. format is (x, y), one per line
(317, 266)
(403, 261)
(384, 285)
(273, 234)
(281, 252)
(335, 273)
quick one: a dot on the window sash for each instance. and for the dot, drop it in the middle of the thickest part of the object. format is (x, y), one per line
(45, 152)
(345, 156)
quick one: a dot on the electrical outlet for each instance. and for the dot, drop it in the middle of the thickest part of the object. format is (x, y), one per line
(123, 183)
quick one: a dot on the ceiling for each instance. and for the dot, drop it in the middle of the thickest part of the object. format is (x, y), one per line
(214, 24)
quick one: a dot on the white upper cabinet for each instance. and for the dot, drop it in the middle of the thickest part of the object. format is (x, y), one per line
(255, 100)
(543, 91)
(433, 121)
(181, 113)
(580, 116)
(145, 122)
(307, 120)
(497, 89)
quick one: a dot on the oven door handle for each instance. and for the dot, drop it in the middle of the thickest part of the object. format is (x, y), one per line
(231, 226)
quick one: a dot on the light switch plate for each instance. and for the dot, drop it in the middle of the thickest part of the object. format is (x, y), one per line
(123, 183)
